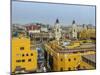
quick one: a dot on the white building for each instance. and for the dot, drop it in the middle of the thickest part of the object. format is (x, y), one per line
(33, 31)
(74, 30)
(57, 31)
(44, 29)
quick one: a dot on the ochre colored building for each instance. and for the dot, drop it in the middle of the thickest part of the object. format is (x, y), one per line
(61, 59)
(23, 57)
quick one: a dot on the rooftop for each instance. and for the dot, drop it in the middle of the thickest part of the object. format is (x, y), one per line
(91, 57)
(82, 48)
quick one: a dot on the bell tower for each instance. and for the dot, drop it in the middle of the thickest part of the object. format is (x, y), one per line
(57, 30)
(74, 30)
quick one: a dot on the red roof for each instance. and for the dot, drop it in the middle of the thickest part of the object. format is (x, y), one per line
(33, 27)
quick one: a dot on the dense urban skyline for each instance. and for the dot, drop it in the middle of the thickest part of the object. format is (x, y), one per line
(30, 12)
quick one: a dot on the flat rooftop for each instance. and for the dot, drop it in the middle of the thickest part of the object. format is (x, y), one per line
(91, 57)
(81, 48)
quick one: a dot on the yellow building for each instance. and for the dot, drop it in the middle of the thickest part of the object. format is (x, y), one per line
(23, 58)
(62, 59)
(87, 34)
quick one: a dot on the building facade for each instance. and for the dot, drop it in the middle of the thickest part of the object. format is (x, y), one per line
(23, 57)
(61, 59)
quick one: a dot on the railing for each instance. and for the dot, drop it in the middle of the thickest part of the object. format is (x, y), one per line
(76, 50)
(88, 61)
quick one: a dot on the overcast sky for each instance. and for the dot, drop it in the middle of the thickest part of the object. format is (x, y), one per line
(31, 12)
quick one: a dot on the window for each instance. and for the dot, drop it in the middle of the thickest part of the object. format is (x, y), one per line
(61, 69)
(31, 54)
(18, 60)
(69, 59)
(21, 48)
(74, 30)
(26, 54)
(57, 30)
(74, 58)
(18, 68)
(23, 60)
(29, 60)
(61, 59)
(22, 54)
(69, 69)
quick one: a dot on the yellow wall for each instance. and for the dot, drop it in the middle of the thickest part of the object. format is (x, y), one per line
(17, 54)
(66, 61)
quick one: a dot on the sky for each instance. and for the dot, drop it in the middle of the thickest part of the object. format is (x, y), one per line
(47, 13)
